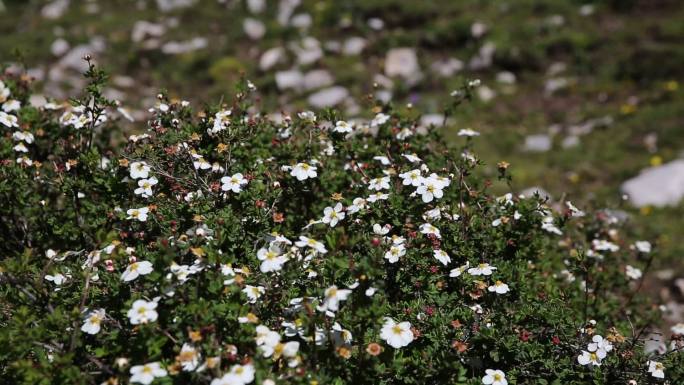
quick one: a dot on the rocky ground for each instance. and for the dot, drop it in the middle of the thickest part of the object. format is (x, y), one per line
(584, 99)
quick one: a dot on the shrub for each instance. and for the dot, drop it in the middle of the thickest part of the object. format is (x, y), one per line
(224, 247)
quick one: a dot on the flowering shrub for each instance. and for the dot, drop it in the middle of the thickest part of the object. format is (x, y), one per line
(221, 247)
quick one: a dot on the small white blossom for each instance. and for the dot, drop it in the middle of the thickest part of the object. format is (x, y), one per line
(233, 183)
(142, 312)
(139, 170)
(145, 374)
(397, 335)
(303, 171)
(92, 322)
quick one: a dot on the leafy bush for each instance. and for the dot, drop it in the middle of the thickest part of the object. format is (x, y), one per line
(224, 247)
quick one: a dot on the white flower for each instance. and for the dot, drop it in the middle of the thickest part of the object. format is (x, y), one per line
(413, 158)
(481, 269)
(395, 252)
(678, 328)
(58, 279)
(397, 335)
(253, 292)
(459, 270)
(427, 228)
(312, 243)
(332, 215)
(632, 272)
(11, 105)
(381, 230)
(200, 163)
(221, 122)
(8, 120)
(226, 379)
(136, 269)
(139, 214)
(266, 336)
(145, 374)
(442, 256)
(656, 369)
(430, 189)
(499, 288)
(308, 116)
(243, 373)
(467, 132)
(340, 336)
(379, 119)
(189, 357)
(643, 246)
(23, 135)
(603, 245)
(142, 312)
(303, 171)
(357, 205)
(589, 358)
(377, 197)
(548, 225)
(333, 296)
(342, 127)
(139, 170)
(378, 184)
(412, 178)
(145, 187)
(383, 160)
(233, 183)
(494, 377)
(600, 345)
(574, 211)
(91, 324)
(271, 259)
(20, 147)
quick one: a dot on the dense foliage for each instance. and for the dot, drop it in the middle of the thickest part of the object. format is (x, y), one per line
(226, 247)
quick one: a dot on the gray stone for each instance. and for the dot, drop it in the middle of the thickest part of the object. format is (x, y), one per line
(317, 79)
(271, 57)
(328, 97)
(402, 62)
(538, 143)
(254, 28)
(657, 186)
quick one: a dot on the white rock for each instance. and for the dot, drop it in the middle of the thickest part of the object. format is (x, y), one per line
(292, 79)
(271, 57)
(170, 5)
(301, 21)
(538, 143)
(484, 57)
(478, 29)
(353, 46)
(180, 47)
(485, 93)
(143, 29)
(505, 77)
(447, 67)
(254, 28)
(285, 10)
(570, 141)
(256, 6)
(59, 47)
(317, 79)
(328, 97)
(308, 50)
(55, 9)
(402, 62)
(657, 186)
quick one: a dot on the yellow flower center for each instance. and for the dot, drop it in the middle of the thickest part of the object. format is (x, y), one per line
(396, 329)
(497, 377)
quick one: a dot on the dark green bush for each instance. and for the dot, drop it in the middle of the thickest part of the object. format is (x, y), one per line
(207, 248)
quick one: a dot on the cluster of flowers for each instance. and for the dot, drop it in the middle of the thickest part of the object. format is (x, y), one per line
(253, 266)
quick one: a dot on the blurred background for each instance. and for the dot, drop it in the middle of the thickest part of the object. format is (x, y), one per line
(583, 98)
